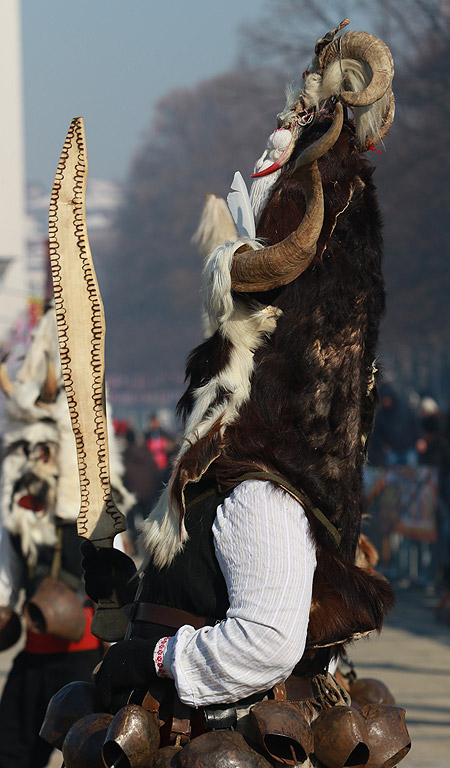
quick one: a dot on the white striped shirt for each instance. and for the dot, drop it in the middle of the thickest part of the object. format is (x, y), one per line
(267, 557)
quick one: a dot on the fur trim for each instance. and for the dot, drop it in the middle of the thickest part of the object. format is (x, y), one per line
(245, 324)
(35, 531)
(216, 404)
(216, 226)
(161, 535)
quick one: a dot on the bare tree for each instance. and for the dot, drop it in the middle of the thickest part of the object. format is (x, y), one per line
(284, 35)
(199, 137)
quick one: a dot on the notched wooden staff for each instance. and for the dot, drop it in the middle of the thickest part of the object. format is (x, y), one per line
(81, 333)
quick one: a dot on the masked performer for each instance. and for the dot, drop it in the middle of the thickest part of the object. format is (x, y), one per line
(250, 585)
(40, 549)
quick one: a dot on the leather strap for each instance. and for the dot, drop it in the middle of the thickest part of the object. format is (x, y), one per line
(279, 692)
(169, 617)
(180, 731)
(300, 496)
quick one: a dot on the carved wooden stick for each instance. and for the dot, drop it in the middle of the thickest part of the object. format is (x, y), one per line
(81, 333)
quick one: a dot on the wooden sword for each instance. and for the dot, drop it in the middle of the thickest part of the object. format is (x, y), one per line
(81, 334)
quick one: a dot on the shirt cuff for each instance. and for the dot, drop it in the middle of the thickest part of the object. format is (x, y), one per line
(162, 657)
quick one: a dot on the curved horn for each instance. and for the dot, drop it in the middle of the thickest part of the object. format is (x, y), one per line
(279, 264)
(368, 48)
(6, 384)
(49, 389)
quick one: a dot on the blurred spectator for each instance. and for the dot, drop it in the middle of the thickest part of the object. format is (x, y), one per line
(431, 443)
(444, 506)
(395, 431)
(144, 479)
(160, 443)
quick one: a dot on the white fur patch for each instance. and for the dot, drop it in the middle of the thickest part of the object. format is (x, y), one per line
(246, 325)
(160, 533)
(216, 226)
(262, 186)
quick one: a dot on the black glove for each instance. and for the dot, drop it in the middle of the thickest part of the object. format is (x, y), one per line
(108, 570)
(127, 665)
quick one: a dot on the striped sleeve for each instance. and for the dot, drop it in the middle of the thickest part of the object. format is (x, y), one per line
(267, 558)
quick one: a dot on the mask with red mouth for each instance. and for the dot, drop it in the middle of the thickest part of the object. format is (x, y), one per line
(29, 484)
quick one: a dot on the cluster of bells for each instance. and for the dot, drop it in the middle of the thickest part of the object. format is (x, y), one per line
(371, 734)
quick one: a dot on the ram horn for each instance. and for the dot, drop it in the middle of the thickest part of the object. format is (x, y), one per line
(280, 264)
(6, 384)
(368, 48)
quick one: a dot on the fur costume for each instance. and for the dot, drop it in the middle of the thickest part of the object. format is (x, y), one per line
(39, 471)
(285, 383)
(282, 391)
(40, 502)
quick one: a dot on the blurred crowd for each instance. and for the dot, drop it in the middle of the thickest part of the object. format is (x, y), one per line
(411, 434)
(409, 431)
(147, 458)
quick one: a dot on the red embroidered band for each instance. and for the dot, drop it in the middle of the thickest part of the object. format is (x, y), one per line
(158, 656)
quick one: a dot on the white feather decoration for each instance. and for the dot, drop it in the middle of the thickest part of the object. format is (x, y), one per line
(240, 208)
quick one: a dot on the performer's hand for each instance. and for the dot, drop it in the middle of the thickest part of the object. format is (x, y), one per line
(107, 571)
(127, 665)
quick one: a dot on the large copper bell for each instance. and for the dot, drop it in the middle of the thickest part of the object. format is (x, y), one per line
(368, 690)
(134, 735)
(68, 705)
(340, 738)
(82, 746)
(388, 735)
(282, 729)
(10, 628)
(227, 749)
(55, 609)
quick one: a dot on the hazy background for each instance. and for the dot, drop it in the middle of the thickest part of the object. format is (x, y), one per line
(110, 61)
(178, 96)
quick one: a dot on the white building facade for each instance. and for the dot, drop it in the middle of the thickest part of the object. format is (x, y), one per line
(13, 277)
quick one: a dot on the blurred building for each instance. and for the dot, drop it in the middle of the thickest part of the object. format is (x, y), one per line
(103, 198)
(13, 290)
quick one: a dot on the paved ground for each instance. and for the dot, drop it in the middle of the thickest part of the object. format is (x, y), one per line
(412, 656)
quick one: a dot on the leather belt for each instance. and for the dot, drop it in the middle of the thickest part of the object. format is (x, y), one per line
(169, 617)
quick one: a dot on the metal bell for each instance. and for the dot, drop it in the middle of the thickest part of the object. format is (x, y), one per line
(55, 609)
(388, 735)
(68, 705)
(340, 738)
(82, 746)
(368, 690)
(134, 735)
(282, 729)
(227, 749)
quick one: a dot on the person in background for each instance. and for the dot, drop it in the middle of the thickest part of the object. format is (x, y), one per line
(159, 442)
(431, 443)
(39, 549)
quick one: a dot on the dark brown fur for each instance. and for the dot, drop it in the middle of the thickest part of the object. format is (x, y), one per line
(312, 399)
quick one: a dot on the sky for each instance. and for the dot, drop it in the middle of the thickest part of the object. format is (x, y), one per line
(110, 61)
